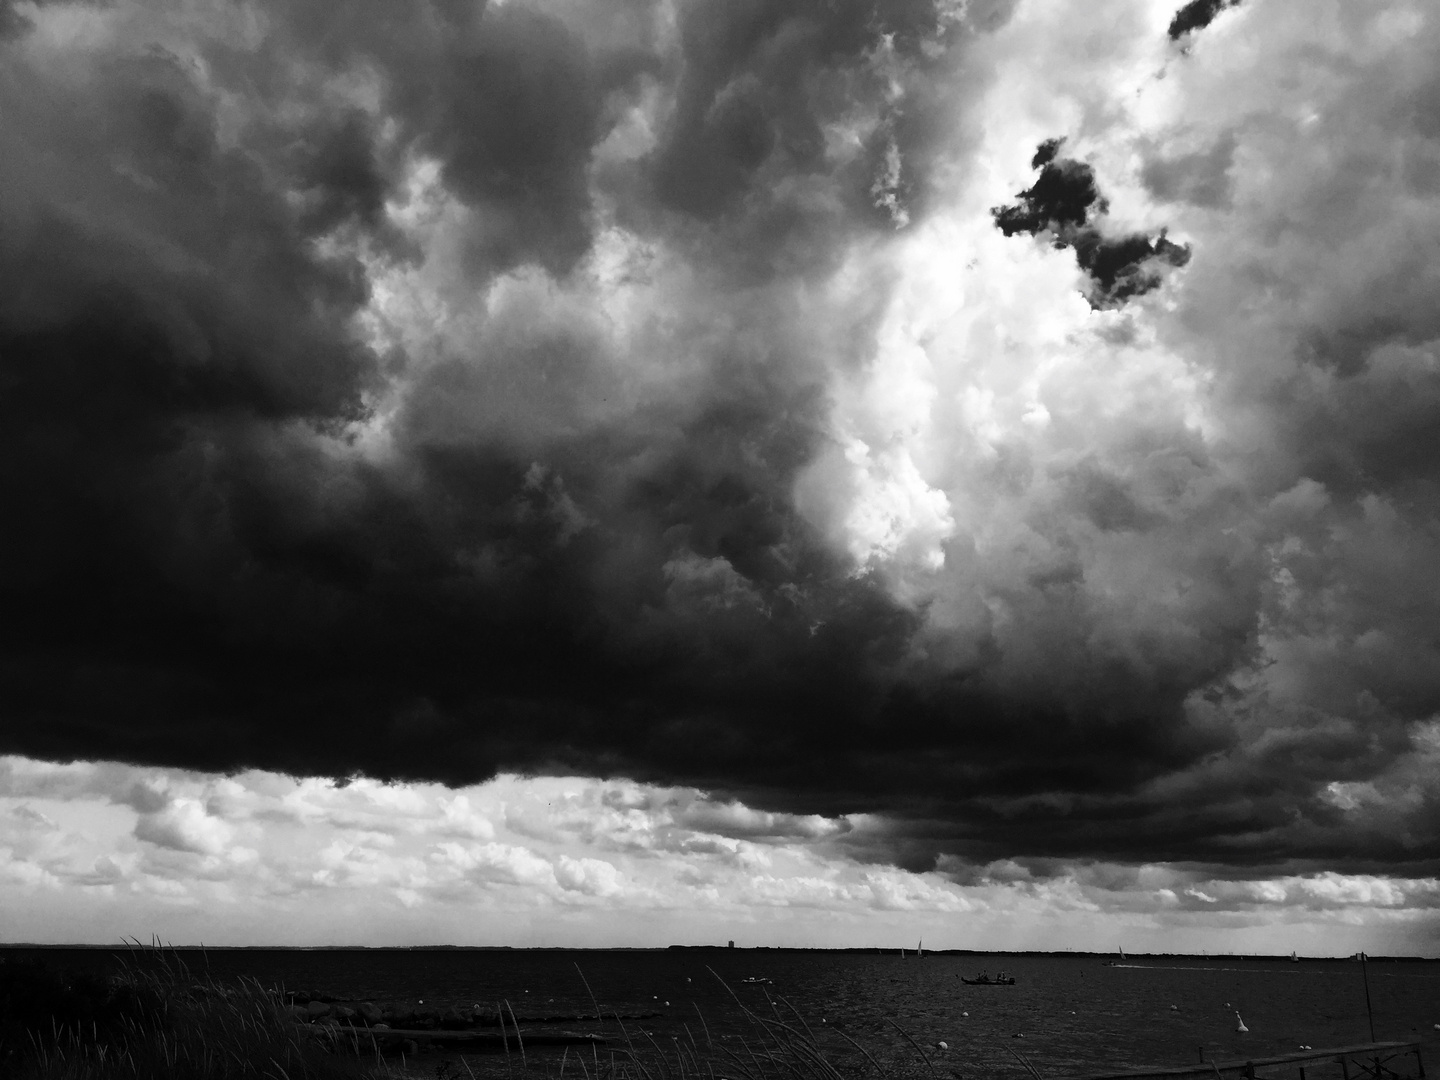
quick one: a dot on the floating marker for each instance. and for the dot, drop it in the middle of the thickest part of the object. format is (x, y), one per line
(1240, 1028)
(942, 1045)
(1174, 1008)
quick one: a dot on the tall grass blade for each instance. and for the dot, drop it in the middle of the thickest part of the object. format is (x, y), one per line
(1029, 1068)
(916, 1045)
(523, 1063)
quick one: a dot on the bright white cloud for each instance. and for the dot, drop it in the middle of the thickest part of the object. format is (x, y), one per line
(263, 857)
(184, 825)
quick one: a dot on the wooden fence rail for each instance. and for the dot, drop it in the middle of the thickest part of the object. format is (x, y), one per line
(1365, 1060)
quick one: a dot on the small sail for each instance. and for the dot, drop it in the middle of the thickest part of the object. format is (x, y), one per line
(1122, 952)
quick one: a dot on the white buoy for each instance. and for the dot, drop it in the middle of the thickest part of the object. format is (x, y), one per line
(1174, 1008)
(1240, 1028)
(967, 1014)
(942, 1045)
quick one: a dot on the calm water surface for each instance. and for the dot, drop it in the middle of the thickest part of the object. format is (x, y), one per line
(1066, 1014)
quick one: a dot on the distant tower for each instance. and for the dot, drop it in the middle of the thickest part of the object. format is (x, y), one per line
(732, 944)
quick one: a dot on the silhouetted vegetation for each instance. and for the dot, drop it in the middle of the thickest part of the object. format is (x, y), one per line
(155, 1020)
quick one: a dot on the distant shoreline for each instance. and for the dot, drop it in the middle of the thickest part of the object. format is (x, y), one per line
(851, 950)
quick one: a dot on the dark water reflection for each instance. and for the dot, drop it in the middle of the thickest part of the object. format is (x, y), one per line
(1066, 1014)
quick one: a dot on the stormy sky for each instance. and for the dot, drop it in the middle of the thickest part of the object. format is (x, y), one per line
(945, 457)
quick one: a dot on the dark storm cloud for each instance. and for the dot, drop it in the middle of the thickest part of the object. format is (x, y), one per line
(247, 528)
(194, 578)
(508, 100)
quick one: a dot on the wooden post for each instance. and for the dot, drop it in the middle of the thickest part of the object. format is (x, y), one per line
(1369, 1013)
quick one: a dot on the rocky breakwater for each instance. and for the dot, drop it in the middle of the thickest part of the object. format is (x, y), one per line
(411, 1025)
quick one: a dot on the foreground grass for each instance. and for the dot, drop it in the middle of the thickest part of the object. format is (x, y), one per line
(156, 1020)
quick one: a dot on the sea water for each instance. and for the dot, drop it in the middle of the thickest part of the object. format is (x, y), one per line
(1064, 1015)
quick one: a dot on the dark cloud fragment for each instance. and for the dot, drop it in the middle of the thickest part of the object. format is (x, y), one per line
(1062, 197)
(1125, 267)
(1061, 202)
(1197, 15)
